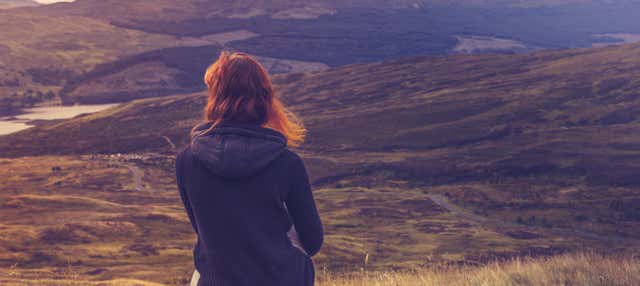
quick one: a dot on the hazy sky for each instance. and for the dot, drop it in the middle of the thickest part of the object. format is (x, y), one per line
(52, 1)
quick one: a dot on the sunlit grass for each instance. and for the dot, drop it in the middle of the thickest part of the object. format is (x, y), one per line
(582, 269)
(574, 269)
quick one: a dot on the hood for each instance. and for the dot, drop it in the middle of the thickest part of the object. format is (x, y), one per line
(236, 150)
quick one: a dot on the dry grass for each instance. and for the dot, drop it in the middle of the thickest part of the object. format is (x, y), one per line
(580, 269)
(93, 218)
(575, 269)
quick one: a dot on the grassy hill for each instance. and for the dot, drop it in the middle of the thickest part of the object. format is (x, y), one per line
(151, 74)
(173, 10)
(415, 162)
(40, 52)
(342, 35)
(419, 164)
(87, 219)
(412, 103)
(458, 110)
(459, 159)
(158, 73)
(136, 11)
(296, 36)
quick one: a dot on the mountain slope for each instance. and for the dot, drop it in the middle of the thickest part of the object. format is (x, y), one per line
(457, 110)
(81, 35)
(39, 52)
(174, 10)
(414, 162)
(158, 73)
(342, 38)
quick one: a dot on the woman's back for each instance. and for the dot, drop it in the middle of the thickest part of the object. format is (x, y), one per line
(235, 180)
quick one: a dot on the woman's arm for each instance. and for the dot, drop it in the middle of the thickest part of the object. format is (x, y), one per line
(302, 208)
(183, 192)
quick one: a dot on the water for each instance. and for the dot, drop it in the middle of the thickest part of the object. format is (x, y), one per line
(22, 121)
(8, 127)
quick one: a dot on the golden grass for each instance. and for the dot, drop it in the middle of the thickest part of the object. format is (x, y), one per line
(49, 282)
(570, 269)
(74, 42)
(577, 269)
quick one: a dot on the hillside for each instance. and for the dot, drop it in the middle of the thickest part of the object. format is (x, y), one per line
(415, 162)
(343, 38)
(158, 73)
(73, 45)
(85, 36)
(560, 127)
(491, 98)
(174, 10)
(428, 165)
(461, 108)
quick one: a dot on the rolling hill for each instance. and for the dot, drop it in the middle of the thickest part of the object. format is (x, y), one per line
(39, 53)
(417, 159)
(415, 162)
(172, 10)
(489, 96)
(430, 120)
(157, 73)
(84, 37)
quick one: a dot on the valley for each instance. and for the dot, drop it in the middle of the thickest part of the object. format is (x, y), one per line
(441, 135)
(457, 160)
(96, 214)
(301, 36)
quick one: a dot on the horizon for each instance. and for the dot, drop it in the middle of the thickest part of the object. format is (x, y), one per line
(52, 1)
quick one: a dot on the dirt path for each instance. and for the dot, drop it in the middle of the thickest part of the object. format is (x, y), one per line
(444, 203)
(127, 161)
(137, 176)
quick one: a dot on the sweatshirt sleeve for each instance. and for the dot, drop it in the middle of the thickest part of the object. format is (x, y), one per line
(302, 209)
(183, 193)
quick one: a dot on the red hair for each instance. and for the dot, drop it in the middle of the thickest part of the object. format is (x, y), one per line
(240, 89)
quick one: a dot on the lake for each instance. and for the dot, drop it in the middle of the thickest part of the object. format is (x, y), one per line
(23, 121)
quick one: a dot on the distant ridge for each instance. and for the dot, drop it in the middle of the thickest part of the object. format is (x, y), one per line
(139, 10)
(87, 34)
(456, 109)
(134, 11)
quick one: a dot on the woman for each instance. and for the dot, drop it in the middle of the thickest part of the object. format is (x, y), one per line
(243, 189)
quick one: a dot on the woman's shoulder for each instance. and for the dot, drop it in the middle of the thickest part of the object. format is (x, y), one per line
(291, 156)
(293, 161)
(182, 155)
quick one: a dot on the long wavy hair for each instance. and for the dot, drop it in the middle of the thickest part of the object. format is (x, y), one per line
(240, 90)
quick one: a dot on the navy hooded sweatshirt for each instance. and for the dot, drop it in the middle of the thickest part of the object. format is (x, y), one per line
(243, 189)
